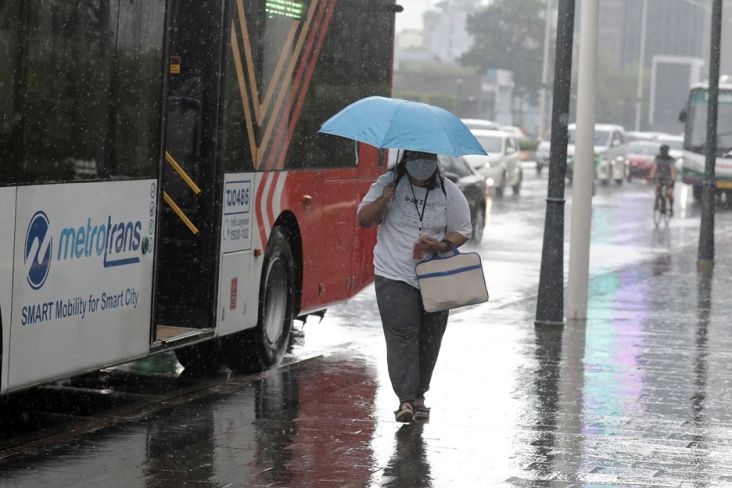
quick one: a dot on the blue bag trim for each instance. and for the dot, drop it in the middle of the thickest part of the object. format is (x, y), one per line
(448, 273)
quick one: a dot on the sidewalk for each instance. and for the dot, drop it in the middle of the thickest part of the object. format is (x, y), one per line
(640, 395)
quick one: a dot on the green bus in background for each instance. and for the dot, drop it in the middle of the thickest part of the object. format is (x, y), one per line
(694, 117)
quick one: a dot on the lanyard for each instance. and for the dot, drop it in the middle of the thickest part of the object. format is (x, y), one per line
(424, 205)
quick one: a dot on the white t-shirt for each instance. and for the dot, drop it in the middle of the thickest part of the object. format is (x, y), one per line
(400, 230)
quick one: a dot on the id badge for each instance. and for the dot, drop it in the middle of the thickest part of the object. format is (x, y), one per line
(416, 251)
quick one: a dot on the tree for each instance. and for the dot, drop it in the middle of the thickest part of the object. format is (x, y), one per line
(509, 34)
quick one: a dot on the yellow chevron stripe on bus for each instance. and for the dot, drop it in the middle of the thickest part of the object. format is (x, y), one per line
(182, 216)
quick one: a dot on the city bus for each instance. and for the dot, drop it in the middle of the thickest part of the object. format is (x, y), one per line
(694, 117)
(163, 185)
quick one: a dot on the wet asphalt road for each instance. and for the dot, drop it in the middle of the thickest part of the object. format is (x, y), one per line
(640, 395)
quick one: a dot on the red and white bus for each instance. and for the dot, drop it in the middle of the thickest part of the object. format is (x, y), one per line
(162, 181)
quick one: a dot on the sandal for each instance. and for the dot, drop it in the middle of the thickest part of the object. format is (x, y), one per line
(421, 412)
(405, 413)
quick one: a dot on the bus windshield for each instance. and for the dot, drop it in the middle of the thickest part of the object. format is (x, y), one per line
(696, 125)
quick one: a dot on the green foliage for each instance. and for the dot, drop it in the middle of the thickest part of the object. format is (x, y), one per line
(528, 144)
(437, 68)
(450, 102)
(509, 34)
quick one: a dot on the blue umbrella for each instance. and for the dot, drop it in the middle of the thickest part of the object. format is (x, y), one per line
(403, 124)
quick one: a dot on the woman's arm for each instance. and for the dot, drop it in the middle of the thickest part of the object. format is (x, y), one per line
(373, 212)
(430, 244)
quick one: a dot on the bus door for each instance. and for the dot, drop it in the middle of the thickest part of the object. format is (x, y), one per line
(187, 235)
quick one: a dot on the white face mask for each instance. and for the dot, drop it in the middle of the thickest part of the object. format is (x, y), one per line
(421, 169)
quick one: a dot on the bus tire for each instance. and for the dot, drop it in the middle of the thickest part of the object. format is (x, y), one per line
(276, 301)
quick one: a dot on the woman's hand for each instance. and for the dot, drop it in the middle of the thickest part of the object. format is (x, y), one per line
(388, 193)
(430, 244)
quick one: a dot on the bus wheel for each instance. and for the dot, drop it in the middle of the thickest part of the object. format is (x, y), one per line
(276, 297)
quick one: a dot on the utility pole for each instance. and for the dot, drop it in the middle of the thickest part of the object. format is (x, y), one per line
(706, 230)
(545, 69)
(641, 66)
(579, 248)
(550, 302)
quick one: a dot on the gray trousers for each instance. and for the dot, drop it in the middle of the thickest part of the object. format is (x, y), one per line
(413, 337)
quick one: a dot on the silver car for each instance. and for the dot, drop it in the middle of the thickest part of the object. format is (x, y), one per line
(501, 168)
(610, 149)
(542, 156)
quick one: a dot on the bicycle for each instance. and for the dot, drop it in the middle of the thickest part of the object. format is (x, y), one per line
(662, 207)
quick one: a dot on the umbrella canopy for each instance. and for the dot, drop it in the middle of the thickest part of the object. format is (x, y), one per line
(403, 124)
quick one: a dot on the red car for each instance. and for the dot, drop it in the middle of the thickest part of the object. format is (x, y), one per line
(640, 156)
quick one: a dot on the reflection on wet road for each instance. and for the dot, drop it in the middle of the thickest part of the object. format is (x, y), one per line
(639, 395)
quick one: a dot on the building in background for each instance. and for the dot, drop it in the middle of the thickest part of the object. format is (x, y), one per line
(427, 67)
(445, 33)
(468, 95)
(676, 51)
(675, 55)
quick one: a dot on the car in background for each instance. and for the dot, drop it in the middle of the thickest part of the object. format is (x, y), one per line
(473, 186)
(481, 124)
(501, 168)
(610, 147)
(633, 136)
(542, 156)
(516, 132)
(640, 156)
(675, 143)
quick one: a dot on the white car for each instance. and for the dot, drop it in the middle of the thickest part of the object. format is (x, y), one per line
(514, 131)
(501, 168)
(542, 156)
(610, 148)
(480, 124)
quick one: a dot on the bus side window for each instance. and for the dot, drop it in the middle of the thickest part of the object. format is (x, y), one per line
(88, 94)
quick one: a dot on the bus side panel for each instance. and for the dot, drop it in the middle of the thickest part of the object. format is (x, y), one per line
(303, 196)
(371, 164)
(82, 298)
(235, 280)
(7, 224)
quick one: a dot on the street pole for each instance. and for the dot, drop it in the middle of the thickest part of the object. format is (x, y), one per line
(545, 70)
(550, 302)
(641, 66)
(584, 174)
(706, 230)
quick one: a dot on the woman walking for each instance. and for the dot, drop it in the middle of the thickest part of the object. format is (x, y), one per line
(419, 214)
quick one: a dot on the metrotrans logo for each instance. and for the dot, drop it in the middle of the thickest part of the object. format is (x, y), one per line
(38, 244)
(113, 243)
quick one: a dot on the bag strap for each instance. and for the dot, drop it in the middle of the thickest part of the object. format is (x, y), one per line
(451, 245)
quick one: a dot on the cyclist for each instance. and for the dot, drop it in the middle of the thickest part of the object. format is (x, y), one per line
(663, 173)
